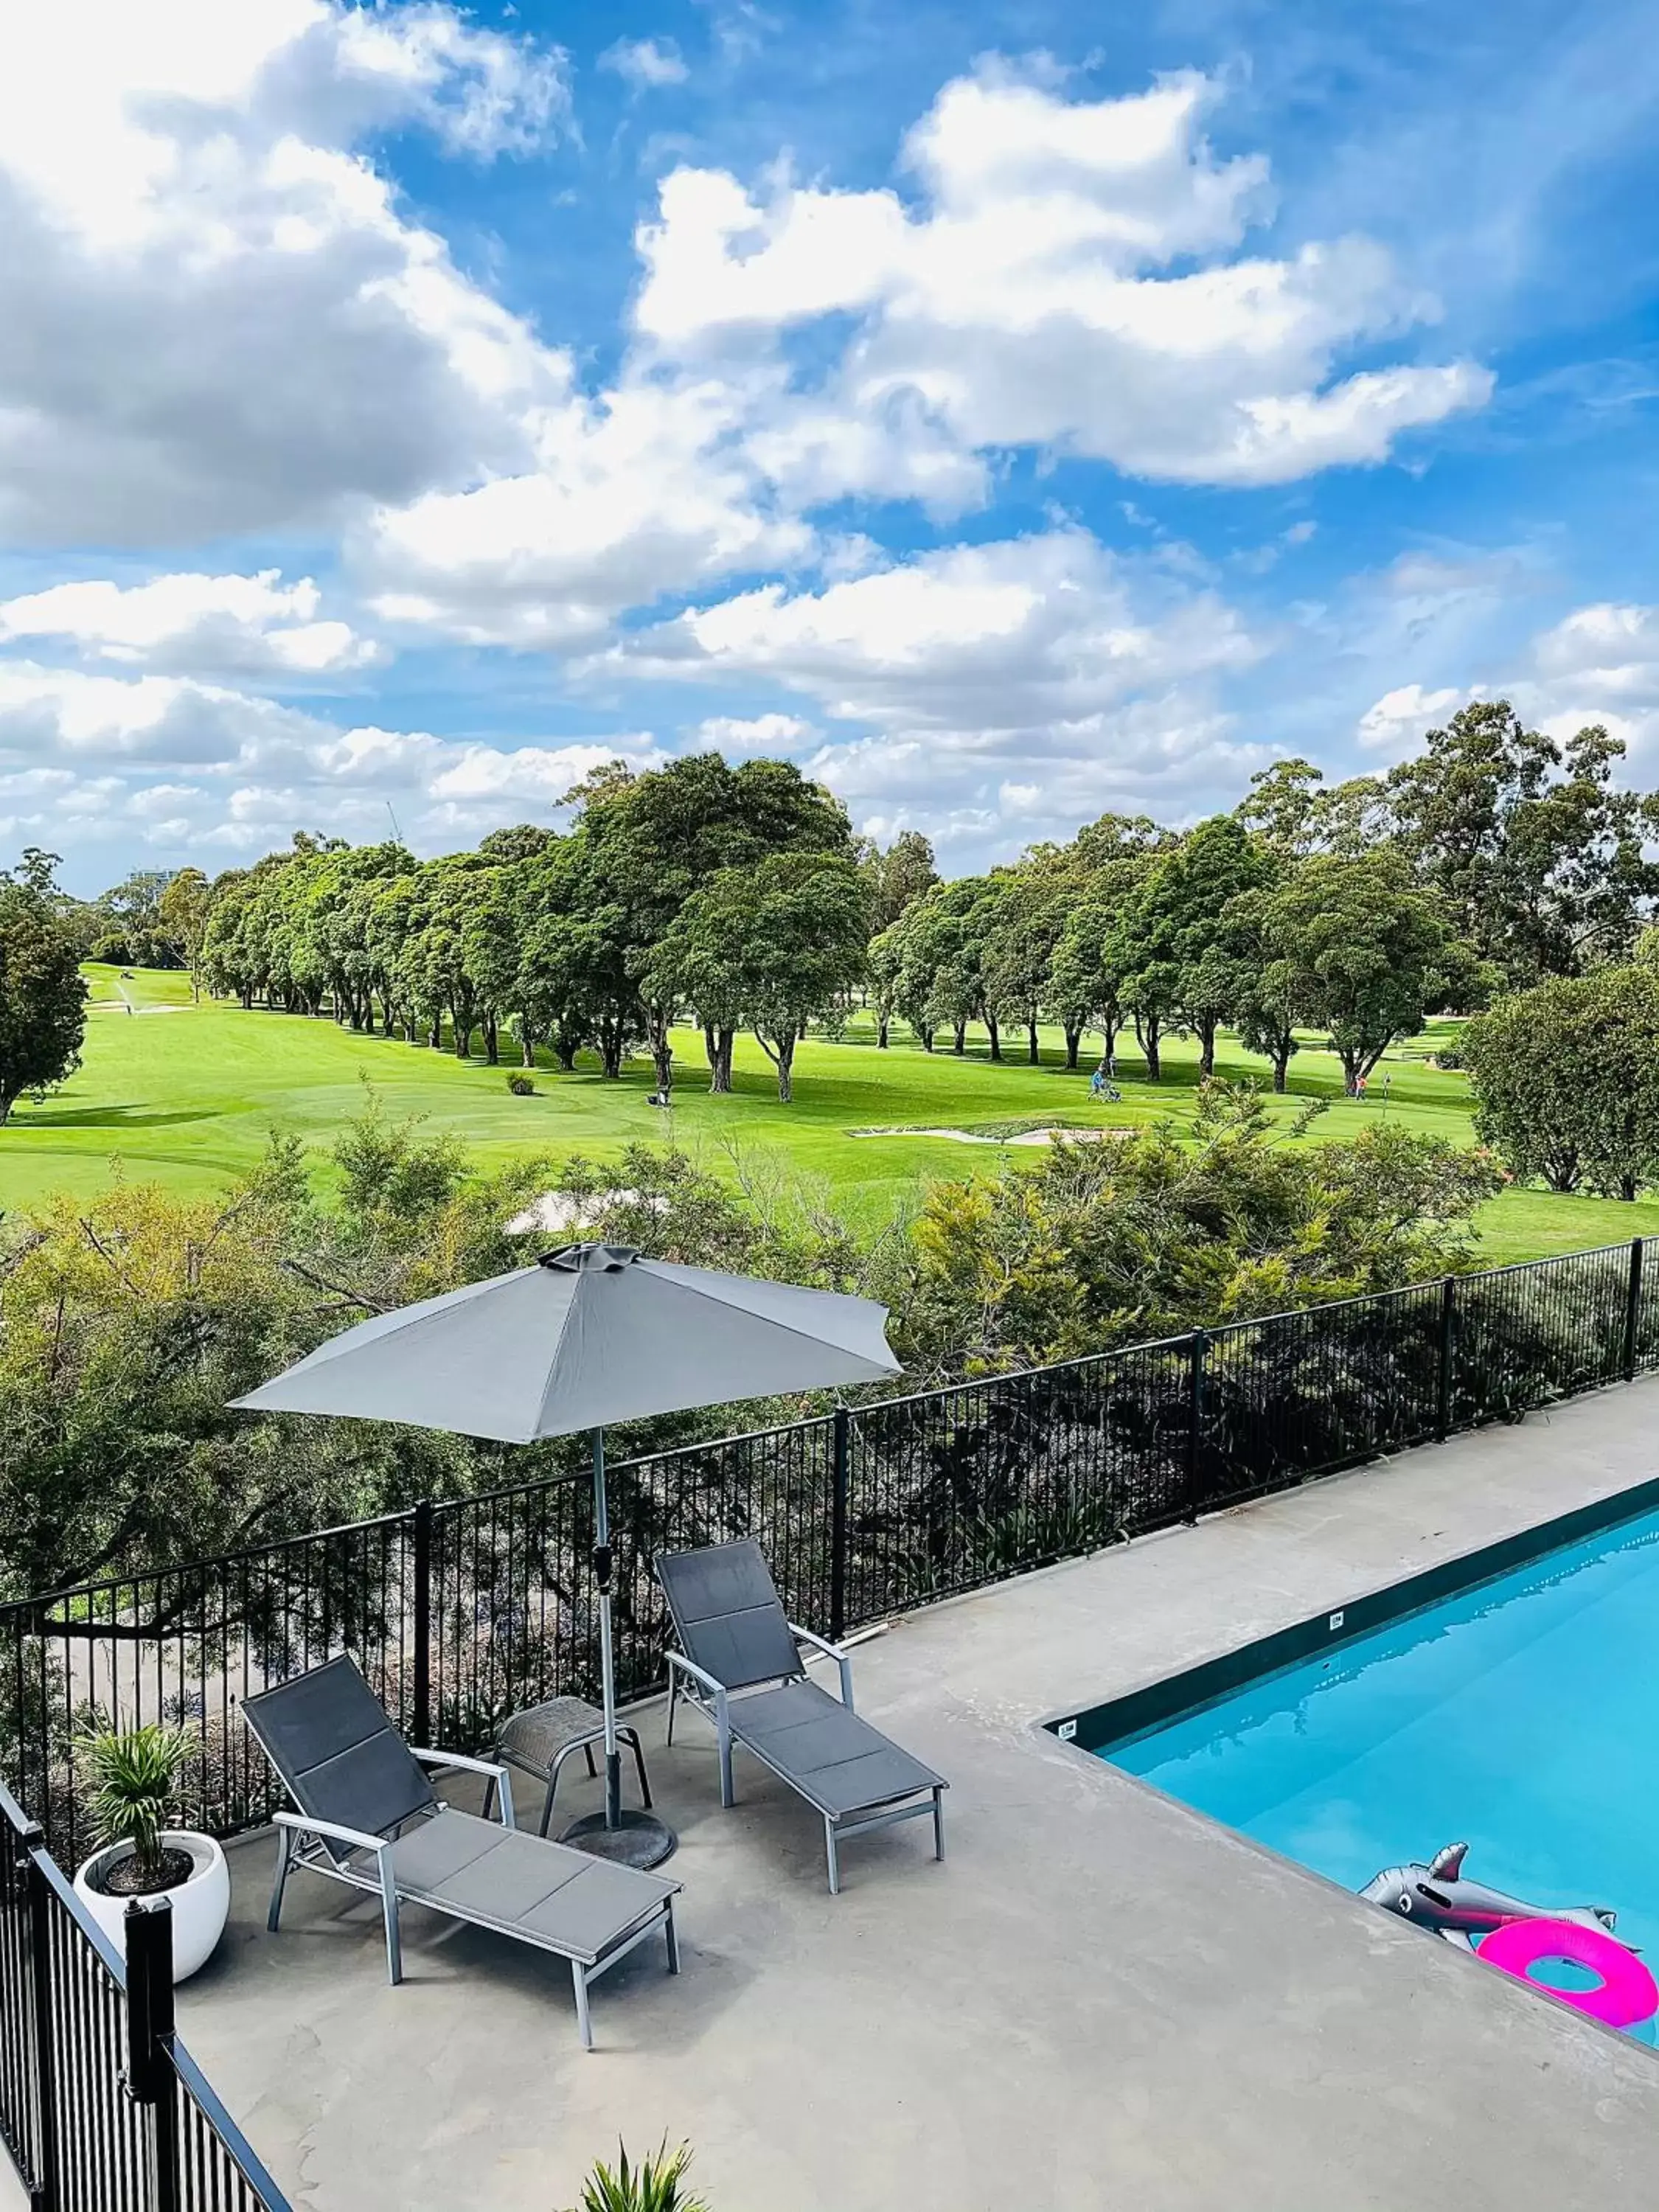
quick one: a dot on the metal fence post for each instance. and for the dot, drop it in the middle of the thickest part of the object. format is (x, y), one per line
(421, 1716)
(149, 1932)
(1443, 1394)
(43, 2188)
(841, 1451)
(1632, 1308)
(1194, 1420)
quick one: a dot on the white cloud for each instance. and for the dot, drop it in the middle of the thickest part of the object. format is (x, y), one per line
(643, 492)
(171, 765)
(255, 624)
(1600, 664)
(754, 733)
(645, 63)
(1609, 650)
(1005, 691)
(1031, 300)
(1016, 634)
(218, 318)
(1396, 722)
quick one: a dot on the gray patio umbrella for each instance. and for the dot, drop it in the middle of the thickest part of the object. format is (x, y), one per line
(591, 1335)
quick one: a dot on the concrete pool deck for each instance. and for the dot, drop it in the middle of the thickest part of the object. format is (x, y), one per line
(1101, 2000)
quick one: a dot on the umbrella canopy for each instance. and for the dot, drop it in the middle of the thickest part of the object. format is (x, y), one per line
(589, 1335)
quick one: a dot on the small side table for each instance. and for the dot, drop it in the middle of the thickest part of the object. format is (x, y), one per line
(538, 1741)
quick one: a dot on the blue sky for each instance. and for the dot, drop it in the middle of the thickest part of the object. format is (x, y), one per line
(1007, 411)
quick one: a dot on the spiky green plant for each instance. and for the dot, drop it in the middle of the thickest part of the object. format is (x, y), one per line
(652, 2185)
(135, 1777)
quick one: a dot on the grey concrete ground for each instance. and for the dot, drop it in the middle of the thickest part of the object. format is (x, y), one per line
(1101, 2002)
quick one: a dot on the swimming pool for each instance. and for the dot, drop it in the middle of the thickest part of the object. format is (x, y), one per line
(1521, 1715)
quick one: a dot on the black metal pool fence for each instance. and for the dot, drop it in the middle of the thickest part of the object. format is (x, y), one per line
(102, 2109)
(461, 1613)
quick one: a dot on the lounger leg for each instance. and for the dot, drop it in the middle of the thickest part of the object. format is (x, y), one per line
(394, 1943)
(584, 2017)
(938, 1823)
(592, 1771)
(631, 1735)
(284, 1845)
(830, 1853)
(673, 1699)
(547, 1801)
(728, 1791)
(489, 1812)
(673, 1935)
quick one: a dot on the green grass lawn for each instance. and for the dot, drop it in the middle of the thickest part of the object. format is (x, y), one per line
(185, 1096)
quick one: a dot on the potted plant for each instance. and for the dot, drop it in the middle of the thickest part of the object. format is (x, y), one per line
(652, 2185)
(135, 1775)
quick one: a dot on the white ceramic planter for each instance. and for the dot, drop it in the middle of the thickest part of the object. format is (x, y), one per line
(201, 1905)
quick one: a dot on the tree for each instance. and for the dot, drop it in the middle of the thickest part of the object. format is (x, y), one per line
(181, 915)
(650, 842)
(898, 876)
(1084, 986)
(1025, 926)
(132, 932)
(1262, 988)
(1170, 940)
(1566, 1080)
(1162, 944)
(1281, 808)
(1361, 950)
(771, 946)
(945, 938)
(43, 998)
(1543, 863)
(884, 966)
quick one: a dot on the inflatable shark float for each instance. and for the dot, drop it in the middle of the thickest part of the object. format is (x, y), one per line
(1438, 1898)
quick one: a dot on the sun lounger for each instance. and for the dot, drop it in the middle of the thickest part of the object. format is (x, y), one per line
(367, 1817)
(740, 1663)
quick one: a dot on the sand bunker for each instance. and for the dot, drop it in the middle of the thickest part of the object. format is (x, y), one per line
(976, 1137)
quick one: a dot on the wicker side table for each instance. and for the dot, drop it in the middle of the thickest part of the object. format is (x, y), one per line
(538, 1741)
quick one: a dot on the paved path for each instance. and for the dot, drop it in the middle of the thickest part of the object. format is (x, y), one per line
(1101, 2003)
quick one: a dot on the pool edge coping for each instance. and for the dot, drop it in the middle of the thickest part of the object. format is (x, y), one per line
(1094, 1729)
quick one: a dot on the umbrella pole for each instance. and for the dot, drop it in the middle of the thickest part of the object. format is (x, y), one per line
(637, 1839)
(607, 1655)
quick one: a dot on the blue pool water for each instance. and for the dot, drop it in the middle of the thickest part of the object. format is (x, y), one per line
(1522, 1717)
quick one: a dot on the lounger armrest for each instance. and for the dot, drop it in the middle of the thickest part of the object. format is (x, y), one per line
(712, 1683)
(836, 1651)
(305, 1824)
(498, 1774)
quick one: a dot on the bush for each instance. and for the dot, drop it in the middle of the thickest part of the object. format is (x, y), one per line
(522, 1086)
(653, 2185)
(135, 1774)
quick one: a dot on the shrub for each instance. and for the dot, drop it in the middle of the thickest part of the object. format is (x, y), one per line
(653, 2185)
(135, 1773)
(522, 1086)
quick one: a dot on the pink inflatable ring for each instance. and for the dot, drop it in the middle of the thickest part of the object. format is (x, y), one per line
(1628, 1991)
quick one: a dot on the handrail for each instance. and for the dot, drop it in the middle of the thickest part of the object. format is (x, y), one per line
(230, 2136)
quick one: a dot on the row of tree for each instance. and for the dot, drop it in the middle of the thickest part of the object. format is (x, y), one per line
(1492, 860)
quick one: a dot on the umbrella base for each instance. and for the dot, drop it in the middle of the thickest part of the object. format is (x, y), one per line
(638, 1841)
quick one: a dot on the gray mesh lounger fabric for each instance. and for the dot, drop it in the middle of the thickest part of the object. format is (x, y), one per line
(734, 1636)
(367, 1817)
